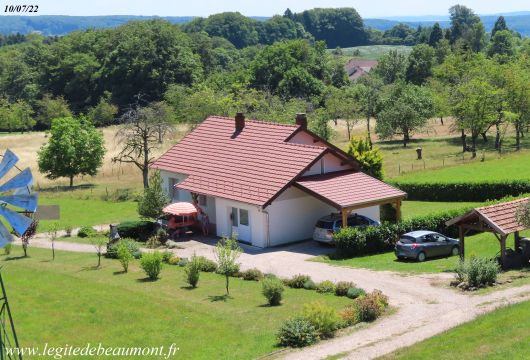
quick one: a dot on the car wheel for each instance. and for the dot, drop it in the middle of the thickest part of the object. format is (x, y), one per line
(421, 257)
(455, 251)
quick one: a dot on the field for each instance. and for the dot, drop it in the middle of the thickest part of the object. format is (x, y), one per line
(373, 52)
(123, 310)
(501, 334)
(412, 209)
(481, 245)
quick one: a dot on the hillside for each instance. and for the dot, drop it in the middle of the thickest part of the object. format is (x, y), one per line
(60, 25)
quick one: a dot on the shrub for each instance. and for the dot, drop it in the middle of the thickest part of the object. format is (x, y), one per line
(124, 254)
(153, 242)
(310, 285)
(464, 191)
(166, 256)
(342, 287)
(370, 306)
(477, 272)
(350, 315)
(170, 244)
(112, 249)
(8, 248)
(151, 263)
(324, 318)
(138, 229)
(252, 274)
(174, 260)
(86, 231)
(325, 287)
(297, 332)
(206, 265)
(297, 281)
(354, 293)
(272, 289)
(183, 262)
(192, 270)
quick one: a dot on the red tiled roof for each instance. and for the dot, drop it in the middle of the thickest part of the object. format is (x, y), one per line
(347, 189)
(252, 167)
(357, 68)
(500, 217)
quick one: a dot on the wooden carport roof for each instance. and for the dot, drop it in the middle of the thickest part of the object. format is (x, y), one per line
(499, 219)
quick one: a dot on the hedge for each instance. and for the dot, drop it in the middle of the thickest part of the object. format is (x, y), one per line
(376, 239)
(137, 229)
(462, 191)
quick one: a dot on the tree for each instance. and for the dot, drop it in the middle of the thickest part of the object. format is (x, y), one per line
(52, 233)
(523, 214)
(342, 104)
(369, 96)
(75, 147)
(124, 254)
(49, 108)
(500, 25)
(139, 136)
(404, 111)
(420, 63)
(154, 198)
(391, 67)
(436, 35)
(502, 46)
(370, 159)
(99, 244)
(318, 123)
(462, 21)
(518, 96)
(103, 113)
(15, 116)
(226, 253)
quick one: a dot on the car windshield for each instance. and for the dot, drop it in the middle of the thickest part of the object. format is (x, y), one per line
(321, 224)
(407, 240)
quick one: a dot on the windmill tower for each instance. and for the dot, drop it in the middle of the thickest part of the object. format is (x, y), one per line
(15, 194)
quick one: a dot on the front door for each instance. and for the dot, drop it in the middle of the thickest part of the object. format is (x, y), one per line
(240, 224)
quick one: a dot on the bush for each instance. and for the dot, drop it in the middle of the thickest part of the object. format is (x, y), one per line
(174, 260)
(124, 254)
(252, 274)
(86, 231)
(272, 289)
(206, 265)
(192, 270)
(151, 263)
(324, 318)
(297, 281)
(464, 191)
(139, 229)
(310, 285)
(112, 249)
(478, 272)
(153, 242)
(350, 315)
(325, 287)
(342, 287)
(297, 332)
(354, 293)
(370, 306)
(183, 262)
(8, 248)
(166, 256)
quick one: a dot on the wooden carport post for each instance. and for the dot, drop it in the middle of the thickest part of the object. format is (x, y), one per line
(345, 212)
(461, 236)
(517, 241)
(398, 210)
(503, 250)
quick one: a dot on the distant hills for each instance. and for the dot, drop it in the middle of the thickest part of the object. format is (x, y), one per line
(60, 25)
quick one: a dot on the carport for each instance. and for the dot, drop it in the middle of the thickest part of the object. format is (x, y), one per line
(499, 219)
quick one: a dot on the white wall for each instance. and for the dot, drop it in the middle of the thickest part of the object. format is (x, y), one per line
(373, 212)
(257, 220)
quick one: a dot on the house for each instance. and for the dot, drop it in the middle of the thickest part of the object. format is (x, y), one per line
(268, 182)
(357, 68)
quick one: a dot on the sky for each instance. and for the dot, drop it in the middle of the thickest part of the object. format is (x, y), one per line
(367, 9)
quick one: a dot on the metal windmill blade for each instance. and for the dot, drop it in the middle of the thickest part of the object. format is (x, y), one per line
(15, 193)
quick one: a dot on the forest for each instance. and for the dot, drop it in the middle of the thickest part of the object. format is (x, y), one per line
(208, 66)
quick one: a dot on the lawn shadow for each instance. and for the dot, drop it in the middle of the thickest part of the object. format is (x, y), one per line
(188, 287)
(90, 268)
(11, 258)
(146, 280)
(121, 272)
(215, 298)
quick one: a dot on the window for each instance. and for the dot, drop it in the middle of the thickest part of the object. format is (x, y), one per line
(243, 217)
(173, 191)
(203, 200)
(438, 238)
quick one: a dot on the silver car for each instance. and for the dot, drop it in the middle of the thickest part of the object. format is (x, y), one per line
(326, 226)
(420, 245)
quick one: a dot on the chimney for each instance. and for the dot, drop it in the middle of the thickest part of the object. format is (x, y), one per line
(240, 122)
(301, 120)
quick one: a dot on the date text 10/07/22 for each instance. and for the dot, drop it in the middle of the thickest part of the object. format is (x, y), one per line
(21, 8)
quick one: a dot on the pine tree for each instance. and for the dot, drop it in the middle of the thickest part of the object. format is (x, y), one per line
(436, 35)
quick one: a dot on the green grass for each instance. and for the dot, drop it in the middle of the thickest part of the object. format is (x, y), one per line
(482, 245)
(68, 302)
(501, 334)
(373, 52)
(513, 167)
(80, 212)
(412, 209)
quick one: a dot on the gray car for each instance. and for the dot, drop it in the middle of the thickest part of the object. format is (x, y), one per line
(421, 245)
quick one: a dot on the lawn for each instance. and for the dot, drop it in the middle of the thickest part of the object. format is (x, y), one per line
(483, 245)
(512, 167)
(373, 52)
(501, 334)
(79, 212)
(412, 209)
(68, 302)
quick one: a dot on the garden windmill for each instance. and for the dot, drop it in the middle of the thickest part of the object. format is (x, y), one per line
(14, 193)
